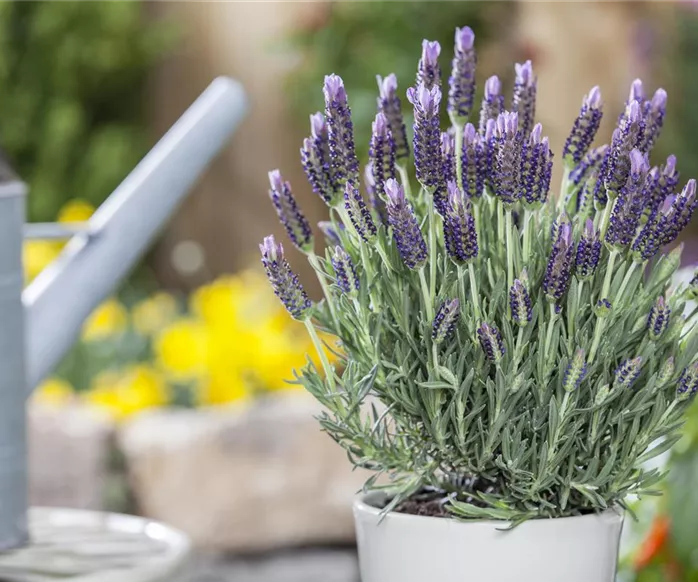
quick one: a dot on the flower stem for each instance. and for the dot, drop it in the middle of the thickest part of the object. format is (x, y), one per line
(526, 237)
(510, 249)
(315, 263)
(473, 290)
(551, 326)
(432, 251)
(625, 282)
(605, 217)
(609, 275)
(459, 159)
(427, 296)
(563, 189)
(329, 370)
(405, 180)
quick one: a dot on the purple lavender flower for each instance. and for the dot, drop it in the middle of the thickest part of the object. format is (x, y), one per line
(661, 182)
(448, 156)
(428, 70)
(600, 192)
(492, 102)
(588, 164)
(330, 231)
(506, 179)
(290, 216)
(561, 220)
(520, 304)
(359, 215)
(536, 168)
(445, 321)
(315, 158)
(460, 235)
(382, 152)
(343, 160)
(688, 382)
(524, 100)
(629, 134)
(376, 201)
(389, 104)
(637, 92)
(628, 207)
(408, 237)
(473, 162)
(558, 271)
(671, 218)
(461, 83)
(427, 135)
(658, 318)
(653, 113)
(585, 197)
(345, 272)
(588, 252)
(575, 372)
(584, 129)
(283, 280)
(491, 342)
(626, 374)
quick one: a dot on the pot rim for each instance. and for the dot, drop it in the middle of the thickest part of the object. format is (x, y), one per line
(362, 504)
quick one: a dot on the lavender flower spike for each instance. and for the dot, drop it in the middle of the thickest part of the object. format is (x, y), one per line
(445, 321)
(343, 160)
(626, 374)
(588, 252)
(345, 272)
(283, 280)
(658, 319)
(461, 84)
(492, 102)
(524, 100)
(625, 138)
(520, 303)
(408, 237)
(637, 92)
(536, 168)
(557, 274)
(575, 372)
(688, 382)
(506, 179)
(460, 235)
(427, 135)
(428, 70)
(589, 164)
(389, 104)
(376, 201)
(382, 152)
(330, 232)
(654, 112)
(473, 162)
(359, 215)
(315, 158)
(584, 129)
(628, 207)
(290, 216)
(491, 342)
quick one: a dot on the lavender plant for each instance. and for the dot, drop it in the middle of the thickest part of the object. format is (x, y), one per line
(518, 352)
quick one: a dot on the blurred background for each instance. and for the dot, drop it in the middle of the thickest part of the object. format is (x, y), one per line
(173, 404)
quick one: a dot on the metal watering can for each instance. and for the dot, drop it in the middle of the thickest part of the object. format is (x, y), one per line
(39, 324)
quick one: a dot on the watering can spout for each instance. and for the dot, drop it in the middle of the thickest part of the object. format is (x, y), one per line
(94, 261)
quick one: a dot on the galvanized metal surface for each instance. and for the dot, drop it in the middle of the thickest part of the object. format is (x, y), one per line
(92, 264)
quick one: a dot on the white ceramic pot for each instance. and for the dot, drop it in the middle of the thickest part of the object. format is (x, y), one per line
(409, 548)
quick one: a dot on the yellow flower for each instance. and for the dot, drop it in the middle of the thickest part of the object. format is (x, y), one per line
(152, 314)
(37, 254)
(107, 320)
(121, 394)
(75, 210)
(222, 388)
(53, 392)
(182, 348)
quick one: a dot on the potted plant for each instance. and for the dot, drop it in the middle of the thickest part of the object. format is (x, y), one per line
(509, 359)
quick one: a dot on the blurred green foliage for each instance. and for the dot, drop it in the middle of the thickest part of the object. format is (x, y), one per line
(358, 40)
(72, 79)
